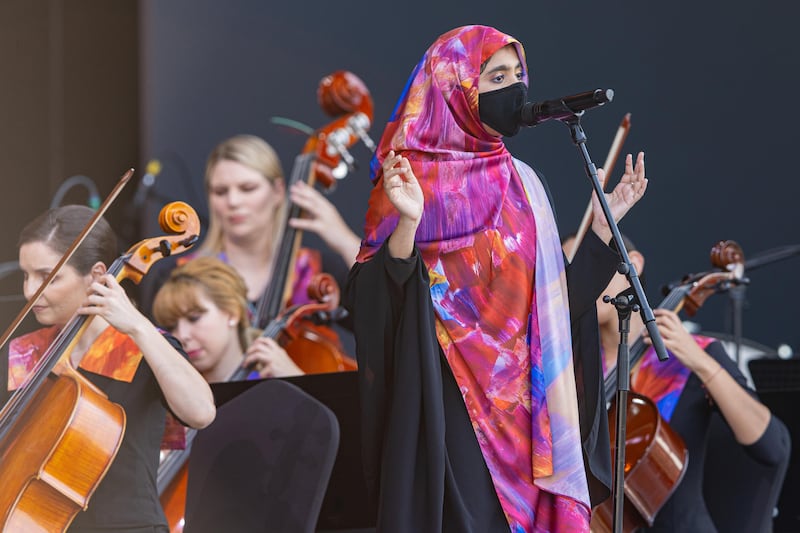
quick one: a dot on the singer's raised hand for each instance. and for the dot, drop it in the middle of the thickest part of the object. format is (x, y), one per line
(401, 186)
(629, 190)
(406, 196)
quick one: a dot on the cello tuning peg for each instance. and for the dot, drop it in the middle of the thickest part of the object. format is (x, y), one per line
(368, 142)
(165, 248)
(337, 145)
(359, 124)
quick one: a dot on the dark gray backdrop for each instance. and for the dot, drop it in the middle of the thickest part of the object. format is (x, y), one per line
(711, 88)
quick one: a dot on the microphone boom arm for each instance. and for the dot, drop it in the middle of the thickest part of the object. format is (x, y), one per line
(623, 372)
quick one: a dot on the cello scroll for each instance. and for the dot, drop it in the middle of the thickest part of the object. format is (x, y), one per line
(729, 258)
(180, 221)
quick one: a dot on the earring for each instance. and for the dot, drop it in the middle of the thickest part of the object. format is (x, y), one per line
(232, 322)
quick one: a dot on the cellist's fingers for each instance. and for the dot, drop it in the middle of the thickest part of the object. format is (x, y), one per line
(110, 301)
(269, 359)
(257, 355)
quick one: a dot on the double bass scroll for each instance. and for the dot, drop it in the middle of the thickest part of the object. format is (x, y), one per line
(324, 159)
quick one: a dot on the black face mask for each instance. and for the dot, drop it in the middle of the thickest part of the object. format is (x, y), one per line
(501, 109)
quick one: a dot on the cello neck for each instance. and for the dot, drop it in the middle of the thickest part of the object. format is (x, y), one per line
(278, 290)
(673, 301)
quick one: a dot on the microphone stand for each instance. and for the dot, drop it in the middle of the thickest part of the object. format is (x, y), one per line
(736, 301)
(736, 294)
(572, 120)
(624, 303)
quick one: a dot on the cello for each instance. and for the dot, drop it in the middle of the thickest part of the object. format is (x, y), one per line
(59, 434)
(314, 347)
(655, 455)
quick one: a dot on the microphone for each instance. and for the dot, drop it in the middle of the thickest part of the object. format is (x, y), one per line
(565, 107)
(151, 172)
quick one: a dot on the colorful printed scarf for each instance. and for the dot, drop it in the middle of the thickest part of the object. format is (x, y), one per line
(489, 241)
(113, 355)
(663, 381)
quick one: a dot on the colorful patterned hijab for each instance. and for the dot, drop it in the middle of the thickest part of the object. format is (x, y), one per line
(464, 171)
(489, 241)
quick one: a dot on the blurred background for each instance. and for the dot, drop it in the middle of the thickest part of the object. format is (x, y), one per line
(91, 88)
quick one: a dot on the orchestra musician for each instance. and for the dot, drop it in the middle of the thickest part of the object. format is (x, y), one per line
(204, 305)
(698, 378)
(247, 196)
(121, 352)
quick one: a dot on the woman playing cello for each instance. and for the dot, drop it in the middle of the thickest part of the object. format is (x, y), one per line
(121, 352)
(698, 378)
(204, 304)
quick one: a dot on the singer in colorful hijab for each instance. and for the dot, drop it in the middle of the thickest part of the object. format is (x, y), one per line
(470, 416)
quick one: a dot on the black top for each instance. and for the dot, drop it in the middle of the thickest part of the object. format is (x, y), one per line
(422, 461)
(127, 496)
(685, 511)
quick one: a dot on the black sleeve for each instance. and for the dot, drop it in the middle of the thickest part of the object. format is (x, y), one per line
(399, 271)
(422, 462)
(774, 444)
(375, 296)
(589, 274)
(591, 270)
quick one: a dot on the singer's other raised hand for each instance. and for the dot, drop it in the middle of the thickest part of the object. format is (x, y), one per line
(629, 190)
(404, 192)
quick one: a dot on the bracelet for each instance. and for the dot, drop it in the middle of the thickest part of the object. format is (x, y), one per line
(706, 382)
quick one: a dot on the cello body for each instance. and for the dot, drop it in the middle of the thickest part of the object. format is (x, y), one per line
(316, 353)
(655, 461)
(54, 458)
(173, 497)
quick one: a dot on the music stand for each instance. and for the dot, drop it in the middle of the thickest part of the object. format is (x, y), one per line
(777, 382)
(344, 506)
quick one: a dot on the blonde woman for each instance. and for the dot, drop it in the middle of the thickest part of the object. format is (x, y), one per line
(247, 198)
